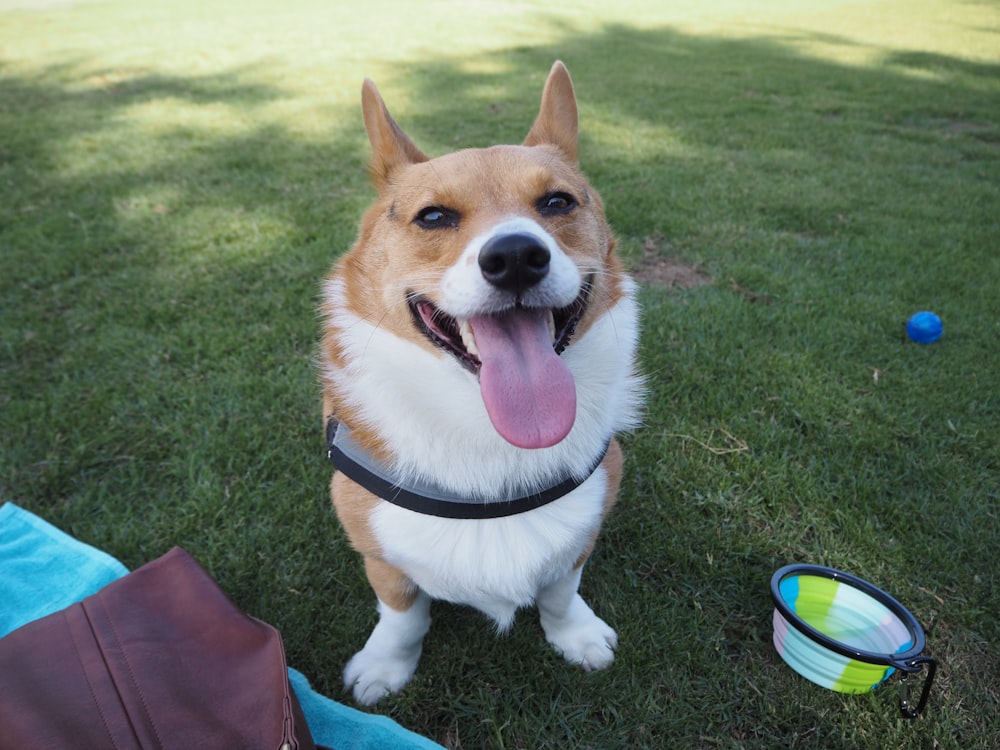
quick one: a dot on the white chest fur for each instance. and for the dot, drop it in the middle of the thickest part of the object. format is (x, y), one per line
(495, 565)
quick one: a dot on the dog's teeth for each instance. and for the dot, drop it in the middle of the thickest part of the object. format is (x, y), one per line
(552, 327)
(468, 338)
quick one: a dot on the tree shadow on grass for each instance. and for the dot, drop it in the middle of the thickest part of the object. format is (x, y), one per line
(160, 283)
(158, 300)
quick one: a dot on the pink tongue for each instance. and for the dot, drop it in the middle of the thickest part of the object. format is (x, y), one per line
(527, 388)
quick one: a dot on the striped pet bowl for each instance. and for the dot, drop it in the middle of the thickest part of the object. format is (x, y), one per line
(845, 634)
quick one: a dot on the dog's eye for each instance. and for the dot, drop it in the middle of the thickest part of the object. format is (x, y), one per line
(555, 204)
(436, 217)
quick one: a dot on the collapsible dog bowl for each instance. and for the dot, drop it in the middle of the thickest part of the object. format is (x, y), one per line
(845, 634)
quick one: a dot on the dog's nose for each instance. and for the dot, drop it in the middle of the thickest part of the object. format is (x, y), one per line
(514, 262)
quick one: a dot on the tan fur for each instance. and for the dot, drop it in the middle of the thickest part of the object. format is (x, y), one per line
(354, 506)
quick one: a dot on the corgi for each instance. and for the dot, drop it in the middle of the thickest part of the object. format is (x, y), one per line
(477, 360)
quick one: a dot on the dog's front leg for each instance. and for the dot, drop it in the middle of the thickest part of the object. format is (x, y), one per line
(390, 656)
(572, 627)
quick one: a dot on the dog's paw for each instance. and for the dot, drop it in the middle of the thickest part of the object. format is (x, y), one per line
(592, 646)
(582, 637)
(371, 676)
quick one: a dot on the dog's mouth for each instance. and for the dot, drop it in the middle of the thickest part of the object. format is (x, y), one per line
(457, 336)
(527, 389)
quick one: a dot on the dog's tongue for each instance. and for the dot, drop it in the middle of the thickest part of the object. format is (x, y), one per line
(527, 388)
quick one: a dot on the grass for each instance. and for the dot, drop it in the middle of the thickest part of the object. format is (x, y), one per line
(175, 181)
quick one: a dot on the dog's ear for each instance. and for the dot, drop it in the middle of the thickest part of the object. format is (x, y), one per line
(556, 123)
(391, 147)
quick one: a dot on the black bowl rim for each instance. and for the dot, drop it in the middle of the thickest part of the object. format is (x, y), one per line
(902, 660)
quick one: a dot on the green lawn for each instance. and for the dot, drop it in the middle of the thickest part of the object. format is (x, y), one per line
(176, 178)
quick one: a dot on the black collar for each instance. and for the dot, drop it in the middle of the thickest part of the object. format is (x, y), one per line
(428, 498)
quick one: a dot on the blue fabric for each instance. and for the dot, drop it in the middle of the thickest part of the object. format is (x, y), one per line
(43, 570)
(343, 728)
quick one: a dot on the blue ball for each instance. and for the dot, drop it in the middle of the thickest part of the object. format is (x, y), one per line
(924, 327)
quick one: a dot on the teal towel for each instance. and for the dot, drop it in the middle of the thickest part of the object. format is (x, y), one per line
(43, 570)
(343, 728)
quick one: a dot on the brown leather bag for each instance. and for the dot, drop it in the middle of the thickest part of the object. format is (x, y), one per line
(158, 659)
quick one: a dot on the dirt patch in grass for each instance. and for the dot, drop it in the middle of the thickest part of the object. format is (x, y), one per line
(664, 271)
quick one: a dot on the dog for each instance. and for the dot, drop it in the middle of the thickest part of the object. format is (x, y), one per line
(478, 358)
